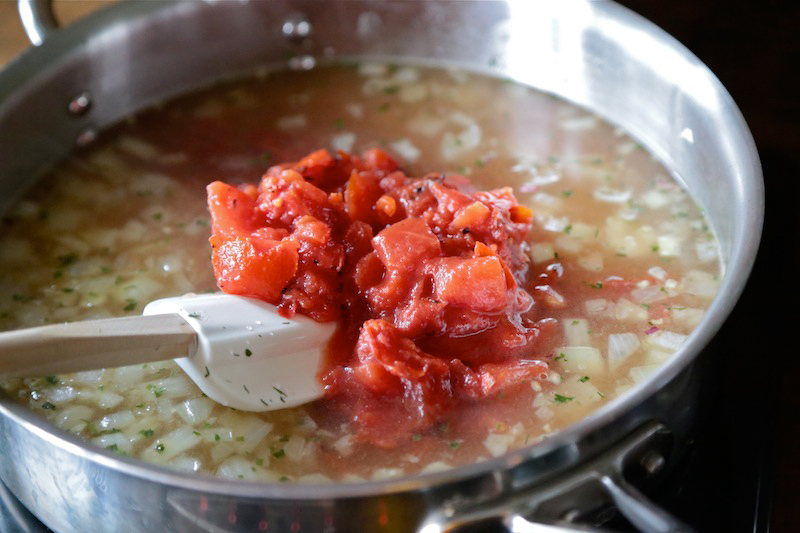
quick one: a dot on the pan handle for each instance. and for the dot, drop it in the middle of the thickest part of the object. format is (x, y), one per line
(643, 514)
(38, 19)
(585, 498)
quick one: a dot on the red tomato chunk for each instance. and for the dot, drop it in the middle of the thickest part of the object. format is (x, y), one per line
(424, 275)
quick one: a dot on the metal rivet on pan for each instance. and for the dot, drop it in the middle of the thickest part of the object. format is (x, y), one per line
(653, 462)
(296, 27)
(86, 137)
(80, 104)
(302, 62)
(571, 516)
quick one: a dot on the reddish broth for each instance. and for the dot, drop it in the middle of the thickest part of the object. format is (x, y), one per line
(617, 254)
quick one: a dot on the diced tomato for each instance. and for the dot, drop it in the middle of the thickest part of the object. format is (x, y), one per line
(360, 195)
(403, 246)
(232, 210)
(378, 160)
(474, 215)
(424, 275)
(477, 283)
(253, 267)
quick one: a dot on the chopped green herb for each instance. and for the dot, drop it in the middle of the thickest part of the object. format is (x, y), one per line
(146, 432)
(130, 305)
(159, 448)
(278, 453)
(383, 108)
(49, 406)
(597, 285)
(283, 394)
(217, 437)
(157, 391)
(52, 380)
(558, 398)
(416, 437)
(248, 352)
(584, 379)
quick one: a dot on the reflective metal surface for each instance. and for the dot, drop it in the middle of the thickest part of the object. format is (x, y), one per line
(596, 54)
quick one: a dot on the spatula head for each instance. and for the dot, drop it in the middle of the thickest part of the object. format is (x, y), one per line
(248, 356)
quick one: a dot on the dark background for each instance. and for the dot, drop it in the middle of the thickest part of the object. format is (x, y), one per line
(754, 49)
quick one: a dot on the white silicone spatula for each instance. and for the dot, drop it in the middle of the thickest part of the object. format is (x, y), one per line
(239, 351)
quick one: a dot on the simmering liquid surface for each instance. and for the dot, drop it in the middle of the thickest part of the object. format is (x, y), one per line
(125, 222)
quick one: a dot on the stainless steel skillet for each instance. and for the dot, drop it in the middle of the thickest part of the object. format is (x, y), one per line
(597, 54)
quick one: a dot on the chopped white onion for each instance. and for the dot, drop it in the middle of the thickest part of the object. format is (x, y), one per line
(237, 467)
(117, 442)
(576, 331)
(640, 373)
(668, 340)
(584, 123)
(118, 420)
(72, 416)
(620, 347)
(597, 305)
(436, 466)
(406, 149)
(458, 144)
(613, 196)
(343, 141)
(195, 410)
(700, 283)
(581, 360)
(387, 473)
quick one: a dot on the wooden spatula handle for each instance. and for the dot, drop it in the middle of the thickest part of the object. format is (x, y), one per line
(93, 344)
